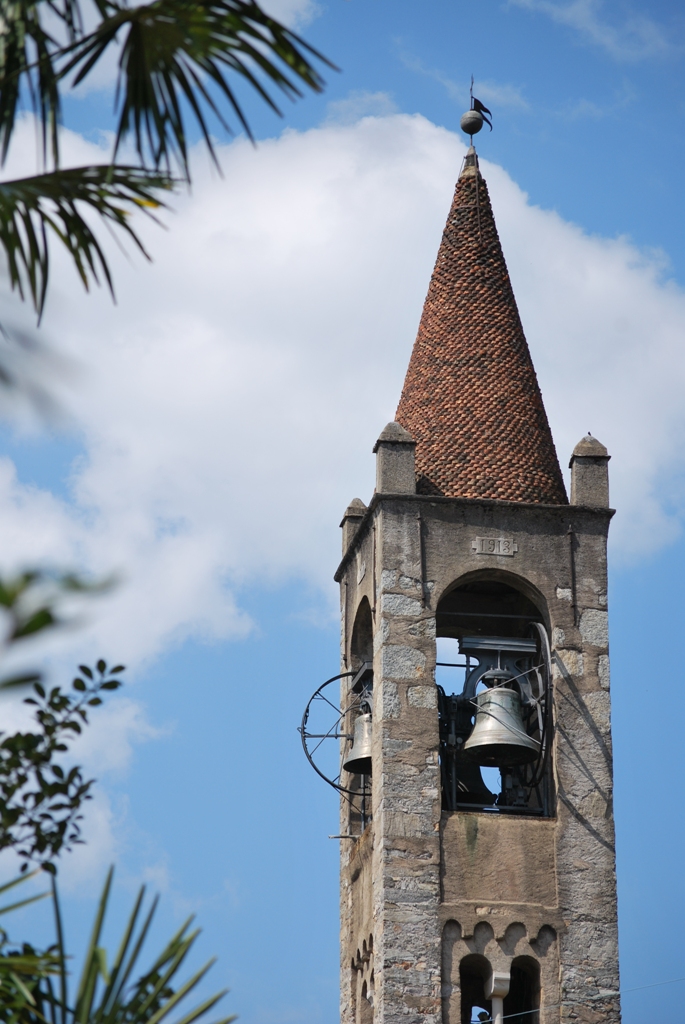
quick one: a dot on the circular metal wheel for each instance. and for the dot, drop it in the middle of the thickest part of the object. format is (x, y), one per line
(321, 724)
(543, 676)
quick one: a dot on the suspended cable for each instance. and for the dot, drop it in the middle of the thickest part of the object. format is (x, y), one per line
(581, 1002)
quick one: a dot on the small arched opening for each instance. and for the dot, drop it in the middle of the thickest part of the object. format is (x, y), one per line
(522, 1004)
(361, 645)
(357, 704)
(489, 604)
(474, 970)
(366, 1005)
(492, 635)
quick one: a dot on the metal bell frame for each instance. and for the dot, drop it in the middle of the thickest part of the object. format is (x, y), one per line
(333, 733)
(543, 702)
(546, 694)
(542, 674)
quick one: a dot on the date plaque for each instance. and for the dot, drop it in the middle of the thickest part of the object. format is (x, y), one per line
(494, 546)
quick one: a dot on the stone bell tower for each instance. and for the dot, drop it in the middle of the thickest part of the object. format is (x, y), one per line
(461, 895)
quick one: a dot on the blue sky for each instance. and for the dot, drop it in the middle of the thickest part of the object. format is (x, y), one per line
(213, 426)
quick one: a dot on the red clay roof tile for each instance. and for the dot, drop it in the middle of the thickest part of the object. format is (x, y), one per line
(471, 399)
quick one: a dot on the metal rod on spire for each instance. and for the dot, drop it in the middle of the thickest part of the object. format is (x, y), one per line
(471, 123)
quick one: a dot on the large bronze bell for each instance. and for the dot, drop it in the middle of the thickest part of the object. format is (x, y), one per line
(358, 761)
(498, 739)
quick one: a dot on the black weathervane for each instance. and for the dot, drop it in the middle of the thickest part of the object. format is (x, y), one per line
(472, 121)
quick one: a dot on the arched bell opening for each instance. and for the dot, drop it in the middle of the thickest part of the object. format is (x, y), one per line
(522, 1004)
(357, 704)
(474, 971)
(490, 603)
(494, 686)
(361, 644)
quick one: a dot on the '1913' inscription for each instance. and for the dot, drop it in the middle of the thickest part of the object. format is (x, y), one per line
(494, 546)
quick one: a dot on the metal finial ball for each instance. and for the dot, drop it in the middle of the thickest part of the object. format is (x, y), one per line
(471, 122)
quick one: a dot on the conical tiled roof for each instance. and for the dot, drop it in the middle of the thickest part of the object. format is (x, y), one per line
(471, 399)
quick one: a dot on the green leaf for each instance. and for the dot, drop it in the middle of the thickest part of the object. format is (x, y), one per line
(43, 618)
(27, 55)
(79, 684)
(40, 801)
(176, 54)
(23, 679)
(33, 210)
(86, 671)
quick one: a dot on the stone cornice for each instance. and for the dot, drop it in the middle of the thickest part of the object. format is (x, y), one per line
(569, 511)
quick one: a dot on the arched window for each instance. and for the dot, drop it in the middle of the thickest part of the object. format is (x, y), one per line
(494, 622)
(357, 701)
(361, 646)
(523, 1001)
(365, 1006)
(474, 970)
(487, 605)
(363, 984)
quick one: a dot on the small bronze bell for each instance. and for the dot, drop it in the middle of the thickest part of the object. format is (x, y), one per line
(498, 738)
(358, 761)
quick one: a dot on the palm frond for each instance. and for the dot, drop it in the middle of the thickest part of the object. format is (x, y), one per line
(177, 53)
(34, 984)
(33, 209)
(26, 51)
(29, 58)
(109, 998)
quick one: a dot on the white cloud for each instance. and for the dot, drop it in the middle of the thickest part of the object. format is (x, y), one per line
(606, 331)
(229, 402)
(104, 749)
(358, 104)
(636, 38)
(501, 94)
(294, 13)
(106, 746)
(584, 108)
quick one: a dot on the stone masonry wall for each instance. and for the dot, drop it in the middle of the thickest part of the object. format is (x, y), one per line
(565, 914)
(406, 786)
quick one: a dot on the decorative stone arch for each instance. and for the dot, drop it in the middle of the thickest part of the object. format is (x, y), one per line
(363, 979)
(496, 604)
(356, 699)
(451, 943)
(474, 971)
(472, 953)
(361, 644)
(522, 1004)
(499, 595)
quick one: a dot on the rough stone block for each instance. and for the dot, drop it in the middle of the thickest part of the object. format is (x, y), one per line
(603, 671)
(422, 696)
(390, 700)
(400, 604)
(594, 627)
(399, 662)
(567, 663)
